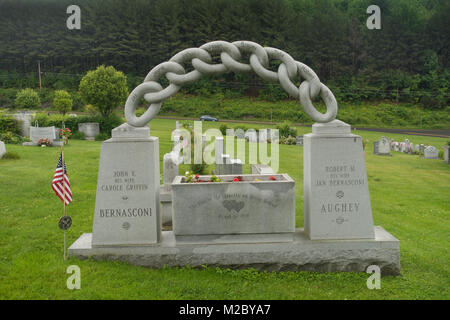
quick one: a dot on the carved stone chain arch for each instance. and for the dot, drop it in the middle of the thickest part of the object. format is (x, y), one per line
(230, 54)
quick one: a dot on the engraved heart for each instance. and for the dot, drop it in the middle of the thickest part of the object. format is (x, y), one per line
(233, 205)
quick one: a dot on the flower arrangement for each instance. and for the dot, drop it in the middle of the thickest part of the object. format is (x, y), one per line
(44, 142)
(65, 134)
(194, 178)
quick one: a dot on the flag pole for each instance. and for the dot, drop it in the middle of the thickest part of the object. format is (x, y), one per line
(64, 187)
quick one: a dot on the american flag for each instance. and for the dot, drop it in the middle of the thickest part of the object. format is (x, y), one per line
(58, 184)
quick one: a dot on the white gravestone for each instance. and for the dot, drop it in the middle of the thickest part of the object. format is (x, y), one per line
(336, 193)
(219, 149)
(90, 130)
(127, 202)
(446, 154)
(2, 149)
(37, 133)
(230, 132)
(431, 152)
(383, 147)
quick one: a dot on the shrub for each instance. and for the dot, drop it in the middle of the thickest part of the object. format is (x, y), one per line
(62, 101)
(105, 88)
(12, 138)
(9, 124)
(27, 98)
(78, 136)
(10, 156)
(102, 137)
(89, 108)
(223, 128)
(286, 131)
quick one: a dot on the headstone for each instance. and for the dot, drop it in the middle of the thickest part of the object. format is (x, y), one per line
(236, 166)
(170, 167)
(90, 130)
(396, 146)
(262, 136)
(431, 153)
(411, 148)
(336, 193)
(251, 135)
(219, 149)
(375, 147)
(262, 169)
(422, 148)
(127, 203)
(177, 125)
(37, 133)
(446, 154)
(382, 147)
(417, 148)
(239, 133)
(299, 140)
(2, 149)
(230, 132)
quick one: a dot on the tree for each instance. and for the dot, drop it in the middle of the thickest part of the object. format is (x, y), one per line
(62, 101)
(105, 89)
(27, 98)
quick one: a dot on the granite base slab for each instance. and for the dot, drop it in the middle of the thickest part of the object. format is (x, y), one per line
(302, 254)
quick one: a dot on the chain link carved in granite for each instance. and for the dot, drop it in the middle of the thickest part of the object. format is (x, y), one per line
(201, 59)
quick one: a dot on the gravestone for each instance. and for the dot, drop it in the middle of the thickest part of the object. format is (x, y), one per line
(431, 152)
(230, 132)
(382, 147)
(90, 130)
(37, 133)
(218, 150)
(375, 147)
(239, 133)
(251, 135)
(396, 146)
(263, 136)
(299, 140)
(2, 149)
(446, 154)
(336, 194)
(127, 201)
(262, 169)
(417, 148)
(422, 148)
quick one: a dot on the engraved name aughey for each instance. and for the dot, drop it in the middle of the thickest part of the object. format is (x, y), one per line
(340, 207)
(122, 213)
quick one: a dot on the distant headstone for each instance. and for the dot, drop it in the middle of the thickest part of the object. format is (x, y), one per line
(299, 140)
(251, 136)
(446, 154)
(90, 129)
(219, 149)
(396, 146)
(239, 133)
(263, 136)
(230, 132)
(262, 169)
(37, 133)
(382, 147)
(417, 148)
(2, 149)
(431, 153)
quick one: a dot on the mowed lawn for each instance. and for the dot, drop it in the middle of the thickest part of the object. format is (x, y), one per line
(410, 198)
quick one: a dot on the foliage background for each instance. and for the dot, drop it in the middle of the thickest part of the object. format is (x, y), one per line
(406, 61)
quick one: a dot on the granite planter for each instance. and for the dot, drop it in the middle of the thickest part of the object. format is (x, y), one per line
(234, 208)
(90, 130)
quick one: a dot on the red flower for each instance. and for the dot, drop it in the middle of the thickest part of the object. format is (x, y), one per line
(235, 180)
(272, 178)
(196, 176)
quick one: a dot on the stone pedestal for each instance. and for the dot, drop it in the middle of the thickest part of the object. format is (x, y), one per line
(336, 194)
(127, 210)
(2, 149)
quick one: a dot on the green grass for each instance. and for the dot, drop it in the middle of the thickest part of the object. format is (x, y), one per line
(410, 198)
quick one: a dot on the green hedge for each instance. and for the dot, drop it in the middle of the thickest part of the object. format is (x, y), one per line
(9, 124)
